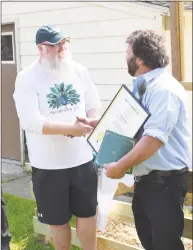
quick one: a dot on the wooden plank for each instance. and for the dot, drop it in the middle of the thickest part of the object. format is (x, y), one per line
(102, 242)
(109, 244)
(187, 20)
(187, 85)
(121, 209)
(177, 39)
(31, 190)
(187, 228)
(187, 42)
(124, 210)
(41, 228)
(188, 58)
(188, 199)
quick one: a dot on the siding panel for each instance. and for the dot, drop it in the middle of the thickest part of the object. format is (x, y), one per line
(110, 76)
(92, 61)
(76, 15)
(112, 28)
(98, 32)
(22, 8)
(87, 45)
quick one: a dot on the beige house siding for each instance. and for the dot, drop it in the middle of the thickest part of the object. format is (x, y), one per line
(98, 31)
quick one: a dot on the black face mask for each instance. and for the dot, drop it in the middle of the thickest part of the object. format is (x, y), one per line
(132, 66)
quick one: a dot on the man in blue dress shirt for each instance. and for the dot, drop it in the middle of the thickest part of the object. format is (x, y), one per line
(162, 155)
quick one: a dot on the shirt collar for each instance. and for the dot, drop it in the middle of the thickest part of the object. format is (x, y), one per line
(153, 73)
(147, 76)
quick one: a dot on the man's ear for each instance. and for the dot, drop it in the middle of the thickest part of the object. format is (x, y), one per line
(40, 48)
(139, 62)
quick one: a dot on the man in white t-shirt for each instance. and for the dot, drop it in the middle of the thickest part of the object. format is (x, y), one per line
(49, 96)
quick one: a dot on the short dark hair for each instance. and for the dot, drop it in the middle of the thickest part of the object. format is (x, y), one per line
(149, 47)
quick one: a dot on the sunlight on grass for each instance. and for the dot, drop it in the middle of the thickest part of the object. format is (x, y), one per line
(14, 247)
(20, 212)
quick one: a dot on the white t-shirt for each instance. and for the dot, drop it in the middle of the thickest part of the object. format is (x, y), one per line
(39, 98)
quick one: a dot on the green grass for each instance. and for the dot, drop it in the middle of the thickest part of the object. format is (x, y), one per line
(20, 212)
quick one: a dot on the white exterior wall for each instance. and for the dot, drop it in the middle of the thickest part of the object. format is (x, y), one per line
(98, 32)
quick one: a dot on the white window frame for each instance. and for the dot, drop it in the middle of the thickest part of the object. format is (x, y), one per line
(13, 47)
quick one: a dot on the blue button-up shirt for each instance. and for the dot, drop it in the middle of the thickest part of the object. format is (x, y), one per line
(166, 100)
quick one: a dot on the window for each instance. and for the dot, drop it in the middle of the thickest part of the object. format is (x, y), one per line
(7, 48)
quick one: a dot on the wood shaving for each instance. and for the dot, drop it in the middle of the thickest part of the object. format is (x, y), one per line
(125, 232)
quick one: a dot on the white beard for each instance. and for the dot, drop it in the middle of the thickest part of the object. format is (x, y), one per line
(58, 68)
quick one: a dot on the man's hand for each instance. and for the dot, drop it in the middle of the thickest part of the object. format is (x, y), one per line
(80, 129)
(88, 121)
(114, 171)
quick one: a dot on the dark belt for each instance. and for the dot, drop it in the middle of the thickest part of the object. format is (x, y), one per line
(159, 173)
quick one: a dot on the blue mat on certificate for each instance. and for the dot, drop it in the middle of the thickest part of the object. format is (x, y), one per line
(114, 146)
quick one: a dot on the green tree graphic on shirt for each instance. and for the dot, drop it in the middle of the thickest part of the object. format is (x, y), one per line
(62, 95)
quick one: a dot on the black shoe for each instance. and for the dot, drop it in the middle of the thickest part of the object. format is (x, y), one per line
(5, 246)
(5, 242)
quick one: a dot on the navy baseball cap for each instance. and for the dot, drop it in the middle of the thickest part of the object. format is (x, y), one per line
(49, 35)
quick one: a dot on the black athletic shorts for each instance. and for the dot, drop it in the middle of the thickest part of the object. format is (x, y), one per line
(62, 193)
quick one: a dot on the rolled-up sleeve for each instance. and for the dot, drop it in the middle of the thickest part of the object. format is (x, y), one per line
(164, 109)
(27, 105)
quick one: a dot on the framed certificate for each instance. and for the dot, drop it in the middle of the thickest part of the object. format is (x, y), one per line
(124, 115)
